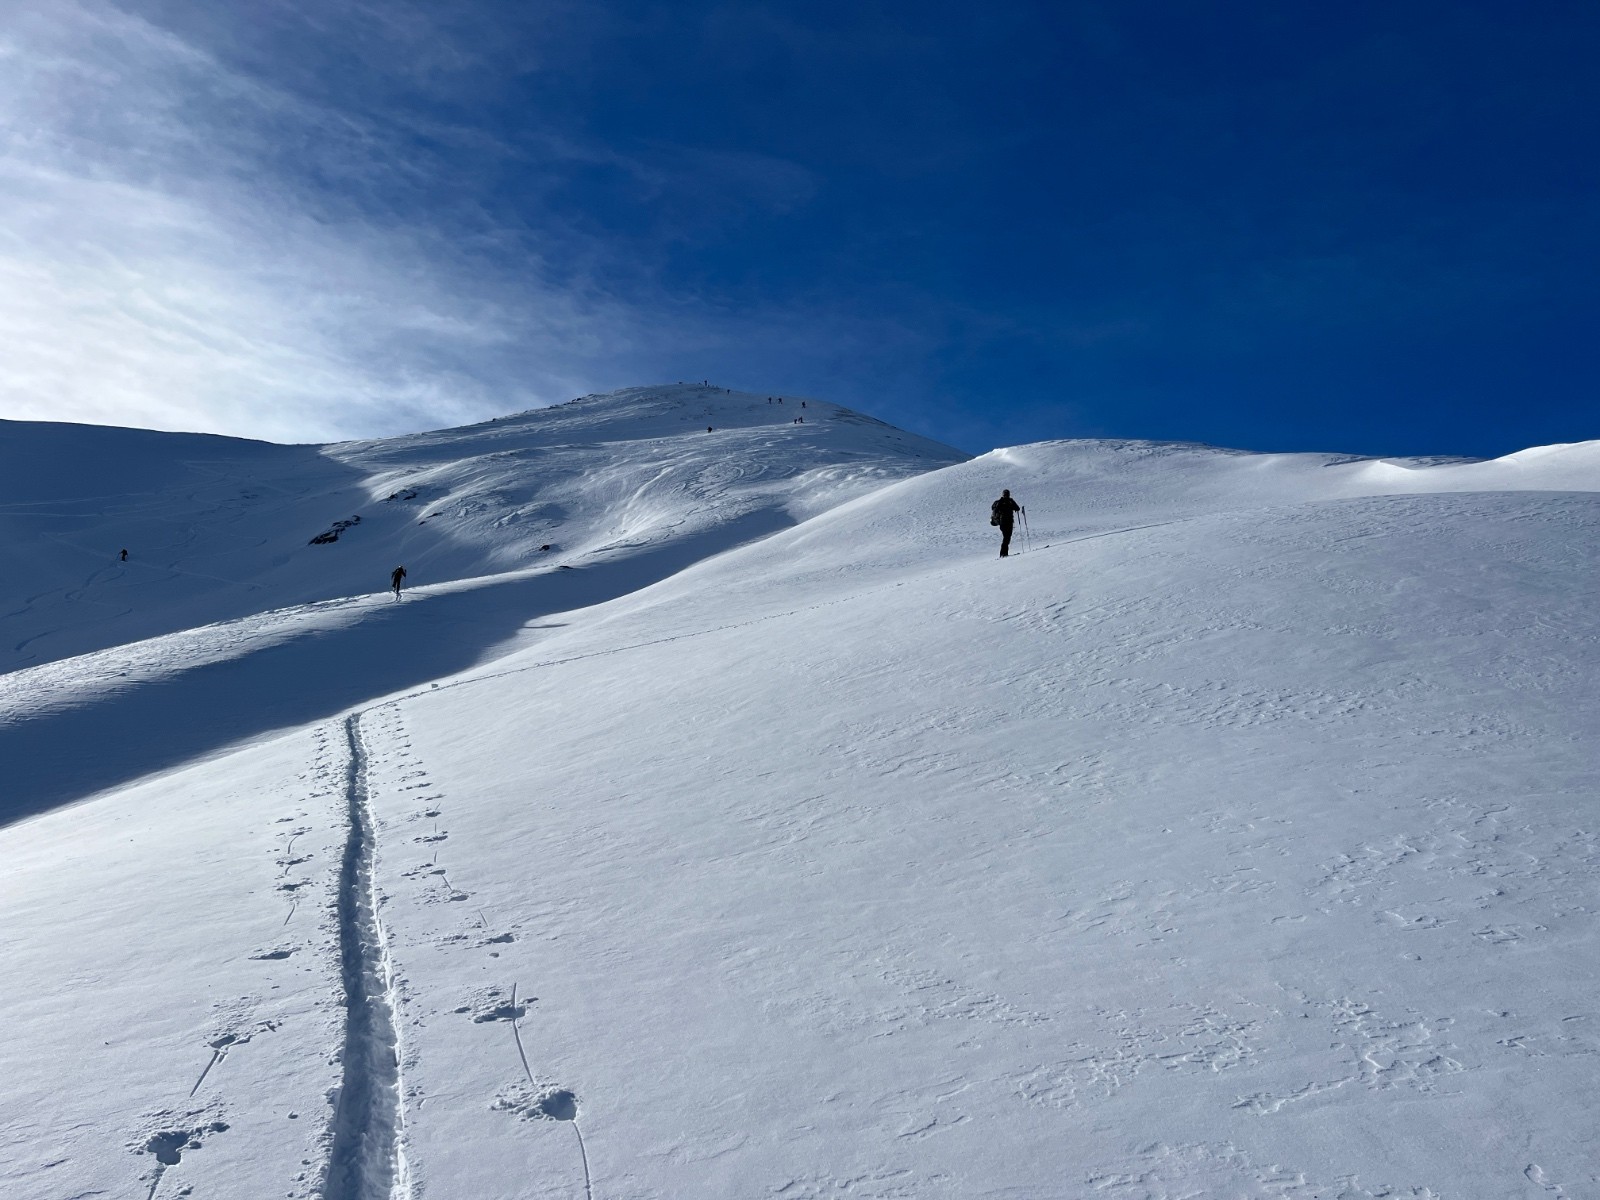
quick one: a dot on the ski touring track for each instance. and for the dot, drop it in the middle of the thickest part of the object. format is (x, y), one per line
(369, 1155)
(366, 1157)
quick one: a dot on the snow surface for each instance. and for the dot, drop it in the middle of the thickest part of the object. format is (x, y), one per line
(1236, 838)
(220, 527)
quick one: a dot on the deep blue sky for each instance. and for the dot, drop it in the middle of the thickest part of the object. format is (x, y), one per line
(1358, 227)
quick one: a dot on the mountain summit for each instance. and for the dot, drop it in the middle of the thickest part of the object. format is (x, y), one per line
(218, 528)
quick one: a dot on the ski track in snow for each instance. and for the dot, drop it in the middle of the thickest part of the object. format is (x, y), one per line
(366, 1159)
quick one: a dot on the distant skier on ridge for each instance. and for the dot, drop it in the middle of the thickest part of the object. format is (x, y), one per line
(1003, 512)
(395, 577)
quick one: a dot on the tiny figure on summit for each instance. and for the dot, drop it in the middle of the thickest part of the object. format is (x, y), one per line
(1003, 512)
(395, 577)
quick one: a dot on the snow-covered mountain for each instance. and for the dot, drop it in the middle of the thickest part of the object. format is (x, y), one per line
(768, 836)
(217, 528)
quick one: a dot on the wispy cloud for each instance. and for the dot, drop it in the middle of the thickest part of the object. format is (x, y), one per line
(184, 244)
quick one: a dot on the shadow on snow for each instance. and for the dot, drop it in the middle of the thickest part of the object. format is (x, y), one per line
(58, 756)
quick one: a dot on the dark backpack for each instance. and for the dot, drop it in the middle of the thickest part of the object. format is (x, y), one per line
(995, 509)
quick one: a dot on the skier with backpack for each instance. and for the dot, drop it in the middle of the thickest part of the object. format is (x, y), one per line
(1003, 513)
(395, 576)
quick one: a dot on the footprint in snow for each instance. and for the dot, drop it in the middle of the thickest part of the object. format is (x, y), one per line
(559, 1105)
(490, 1004)
(550, 1104)
(502, 1012)
(169, 1144)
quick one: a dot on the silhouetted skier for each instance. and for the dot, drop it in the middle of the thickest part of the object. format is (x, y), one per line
(395, 577)
(1003, 512)
(124, 556)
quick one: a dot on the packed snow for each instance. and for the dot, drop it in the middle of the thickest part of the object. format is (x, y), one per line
(770, 836)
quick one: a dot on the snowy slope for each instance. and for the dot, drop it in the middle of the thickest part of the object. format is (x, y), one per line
(1236, 839)
(220, 528)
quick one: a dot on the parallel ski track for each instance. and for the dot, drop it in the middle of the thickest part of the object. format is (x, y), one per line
(367, 1157)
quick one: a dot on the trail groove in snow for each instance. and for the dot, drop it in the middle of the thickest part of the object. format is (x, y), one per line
(367, 1159)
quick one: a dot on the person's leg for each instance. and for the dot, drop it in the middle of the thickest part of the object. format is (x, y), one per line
(1005, 539)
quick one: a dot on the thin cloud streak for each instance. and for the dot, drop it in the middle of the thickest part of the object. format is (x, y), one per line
(156, 270)
(226, 228)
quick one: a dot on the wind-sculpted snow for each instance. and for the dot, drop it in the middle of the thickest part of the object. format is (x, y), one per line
(1232, 839)
(217, 528)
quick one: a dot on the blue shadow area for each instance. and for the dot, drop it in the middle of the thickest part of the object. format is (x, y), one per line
(58, 756)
